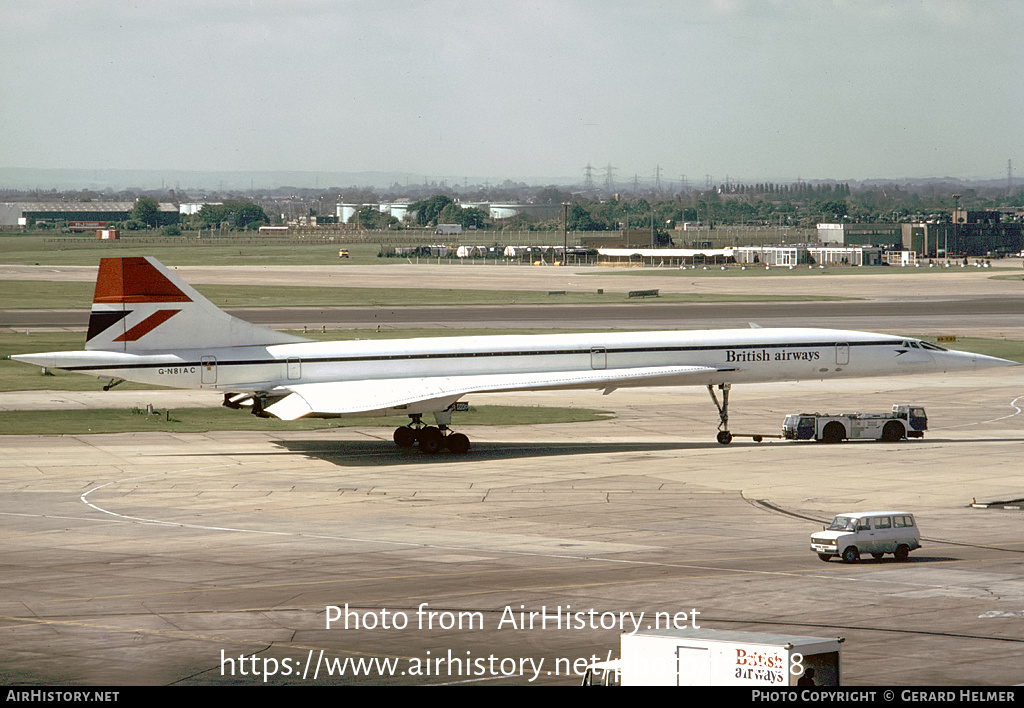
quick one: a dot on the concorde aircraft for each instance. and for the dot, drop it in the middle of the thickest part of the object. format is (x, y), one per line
(148, 325)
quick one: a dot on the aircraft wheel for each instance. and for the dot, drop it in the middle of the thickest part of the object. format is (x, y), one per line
(724, 437)
(405, 437)
(431, 440)
(458, 444)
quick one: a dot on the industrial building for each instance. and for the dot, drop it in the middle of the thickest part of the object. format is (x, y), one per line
(966, 234)
(508, 210)
(791, 256)
(969, 234)
(806, 254)
(873, 234)
(29, 213)
(190, 208)
(345, 211)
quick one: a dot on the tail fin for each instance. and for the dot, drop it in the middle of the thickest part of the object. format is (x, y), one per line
(139, 305)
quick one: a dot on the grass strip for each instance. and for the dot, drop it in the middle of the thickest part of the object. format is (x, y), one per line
(202, 420)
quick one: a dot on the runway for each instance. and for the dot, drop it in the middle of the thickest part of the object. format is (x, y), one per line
(217, 559)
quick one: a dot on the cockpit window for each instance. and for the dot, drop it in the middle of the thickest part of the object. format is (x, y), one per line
(913, 344)
(933, 347)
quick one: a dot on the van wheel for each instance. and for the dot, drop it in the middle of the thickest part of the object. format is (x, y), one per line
(825, 557)
(877, 556)
(851, 555)
(902, 553)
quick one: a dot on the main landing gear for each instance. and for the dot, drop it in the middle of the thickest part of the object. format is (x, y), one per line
(724, 436)
(431, 439)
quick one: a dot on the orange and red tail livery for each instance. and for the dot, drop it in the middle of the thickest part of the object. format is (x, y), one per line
(122, 280)
(140, 305)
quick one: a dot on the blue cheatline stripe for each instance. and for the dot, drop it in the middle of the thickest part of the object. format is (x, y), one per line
(469, 355)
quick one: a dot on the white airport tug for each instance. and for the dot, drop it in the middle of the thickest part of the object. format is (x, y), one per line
(905, 421)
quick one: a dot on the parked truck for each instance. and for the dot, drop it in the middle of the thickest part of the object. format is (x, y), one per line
(710, 657)
(905, 421)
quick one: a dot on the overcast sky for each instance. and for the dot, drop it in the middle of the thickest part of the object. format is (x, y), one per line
(750, 89)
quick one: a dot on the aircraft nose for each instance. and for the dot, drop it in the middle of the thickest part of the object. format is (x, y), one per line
(984, 362)
(981, 361)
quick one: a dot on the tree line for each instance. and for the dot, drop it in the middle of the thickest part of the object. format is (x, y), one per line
(239, 214)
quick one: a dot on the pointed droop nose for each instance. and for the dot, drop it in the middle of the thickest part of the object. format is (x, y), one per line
(983, 362)
(955, 360)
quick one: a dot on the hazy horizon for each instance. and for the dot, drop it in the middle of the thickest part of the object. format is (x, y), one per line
(459, 91)
(44, 180)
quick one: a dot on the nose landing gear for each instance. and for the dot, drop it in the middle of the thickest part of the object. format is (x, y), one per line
(724, 436)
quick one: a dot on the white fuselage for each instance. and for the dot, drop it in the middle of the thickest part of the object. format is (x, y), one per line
(742, 355)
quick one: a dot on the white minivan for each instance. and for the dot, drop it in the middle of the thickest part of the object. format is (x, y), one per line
(875, 532)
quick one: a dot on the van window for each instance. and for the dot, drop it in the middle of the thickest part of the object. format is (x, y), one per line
(842, 523)
(863, 524)
(883, 522)
(902, 522)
